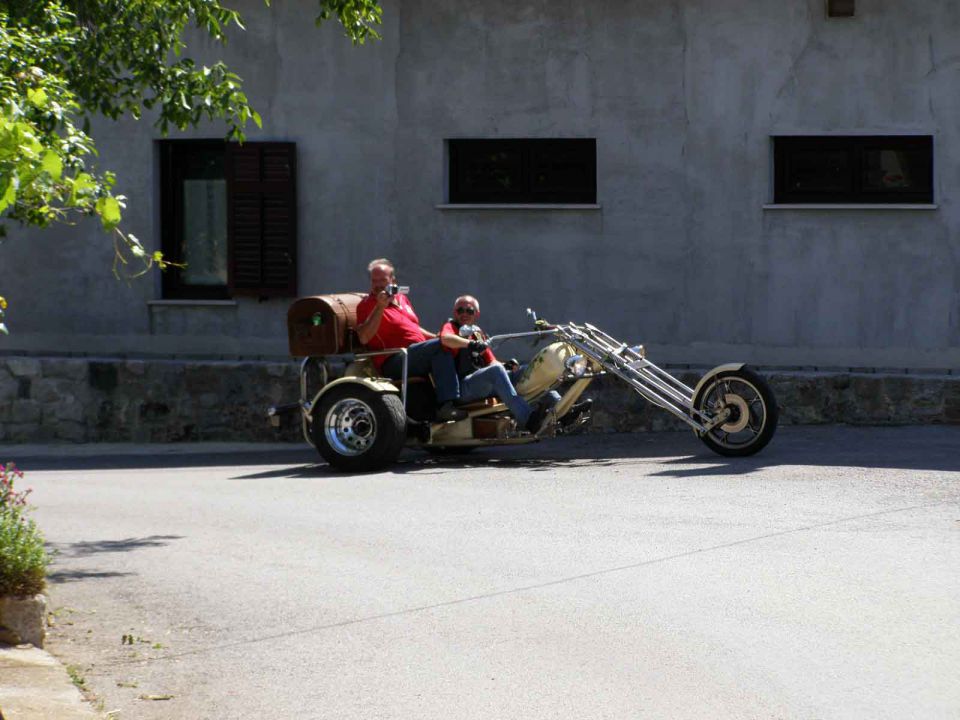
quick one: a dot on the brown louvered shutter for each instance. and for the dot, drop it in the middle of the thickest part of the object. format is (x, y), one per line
(262, 218)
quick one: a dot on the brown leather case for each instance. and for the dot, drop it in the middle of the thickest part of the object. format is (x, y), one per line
(324, 324)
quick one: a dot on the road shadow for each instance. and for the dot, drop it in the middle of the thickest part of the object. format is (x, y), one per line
(297, 453)
(88, 548)
(60, 577)
(680, 454)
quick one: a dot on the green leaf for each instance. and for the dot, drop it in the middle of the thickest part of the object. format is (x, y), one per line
(9, 196)
(37, 97)
(52, 164)
(109, 211)
(256, 119)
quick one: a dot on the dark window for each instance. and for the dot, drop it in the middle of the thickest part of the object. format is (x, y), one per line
(841, 8)
(853, 169)
(523, 171)
(228, 214)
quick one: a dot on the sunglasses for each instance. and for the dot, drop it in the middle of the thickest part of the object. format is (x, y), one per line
(467, 310)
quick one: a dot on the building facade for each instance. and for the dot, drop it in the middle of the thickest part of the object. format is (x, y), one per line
(718, 179)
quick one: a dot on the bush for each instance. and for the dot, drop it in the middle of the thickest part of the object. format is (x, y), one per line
(23, 559)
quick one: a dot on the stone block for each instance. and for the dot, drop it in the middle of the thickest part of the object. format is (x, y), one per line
(22, 432)
(280, 369)
(25, 617)
(72, 431)
(66, 368)
(52, 390)
(137, 368)
(9, 387)
(23, 366)
(25, 411)
(69, 409)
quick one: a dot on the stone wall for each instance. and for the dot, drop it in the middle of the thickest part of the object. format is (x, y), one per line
(46, 399)
(804, 398)
(110, 400)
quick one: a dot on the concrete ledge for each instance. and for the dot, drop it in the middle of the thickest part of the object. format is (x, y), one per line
(35, 686)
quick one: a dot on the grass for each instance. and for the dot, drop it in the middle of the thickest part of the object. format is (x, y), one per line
(76, 677)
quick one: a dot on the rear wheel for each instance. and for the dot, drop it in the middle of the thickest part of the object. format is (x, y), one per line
(357, 429)
(753, 413)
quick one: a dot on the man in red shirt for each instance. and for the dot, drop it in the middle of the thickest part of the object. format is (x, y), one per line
(388, 321)
(481, 374)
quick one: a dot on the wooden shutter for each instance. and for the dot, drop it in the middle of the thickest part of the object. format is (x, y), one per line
(262, 218)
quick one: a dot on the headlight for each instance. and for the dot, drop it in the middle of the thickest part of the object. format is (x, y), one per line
(576, 365)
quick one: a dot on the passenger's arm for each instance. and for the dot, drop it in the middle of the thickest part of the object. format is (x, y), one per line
(429, 335)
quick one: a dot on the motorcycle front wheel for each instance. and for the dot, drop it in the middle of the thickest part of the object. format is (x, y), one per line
(753, 412)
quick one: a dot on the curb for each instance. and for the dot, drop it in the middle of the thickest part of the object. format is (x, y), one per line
(34, 685)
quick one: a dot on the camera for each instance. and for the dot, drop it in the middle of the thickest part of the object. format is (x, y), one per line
(392, 290)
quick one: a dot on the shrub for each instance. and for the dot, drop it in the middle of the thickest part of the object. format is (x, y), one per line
(23, 559)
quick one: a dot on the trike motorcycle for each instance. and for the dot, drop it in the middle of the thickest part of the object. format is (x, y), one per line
(359, 421)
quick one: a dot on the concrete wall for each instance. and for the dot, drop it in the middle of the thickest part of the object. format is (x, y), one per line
(682, 98)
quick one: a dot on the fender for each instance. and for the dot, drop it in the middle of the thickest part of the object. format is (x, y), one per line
(381, 385)
(709, 376)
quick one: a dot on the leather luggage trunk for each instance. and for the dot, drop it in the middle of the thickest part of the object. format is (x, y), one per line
(323, 324)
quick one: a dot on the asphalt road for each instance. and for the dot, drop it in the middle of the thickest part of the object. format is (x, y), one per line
(630, 576)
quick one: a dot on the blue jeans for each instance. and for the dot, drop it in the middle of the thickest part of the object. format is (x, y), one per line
(493, 380)
(424, 358)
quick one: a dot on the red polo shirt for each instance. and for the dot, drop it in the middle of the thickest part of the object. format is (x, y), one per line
(452, 328)
(399, 326)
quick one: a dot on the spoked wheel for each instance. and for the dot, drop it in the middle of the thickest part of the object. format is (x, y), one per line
(357, 429)
(753, 412)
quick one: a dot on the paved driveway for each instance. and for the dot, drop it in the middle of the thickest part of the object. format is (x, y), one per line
(600, 577)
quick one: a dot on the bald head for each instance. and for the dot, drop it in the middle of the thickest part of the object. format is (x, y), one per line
(463, 305)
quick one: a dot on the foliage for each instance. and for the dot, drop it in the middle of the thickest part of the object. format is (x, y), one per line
(23, 558)
(62, 61)
(9, 496)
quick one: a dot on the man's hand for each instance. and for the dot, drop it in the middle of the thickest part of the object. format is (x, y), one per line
(383, 299)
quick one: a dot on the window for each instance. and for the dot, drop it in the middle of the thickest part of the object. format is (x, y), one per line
(523, 171)
(841, 8)
(228, 214)
(853, 169)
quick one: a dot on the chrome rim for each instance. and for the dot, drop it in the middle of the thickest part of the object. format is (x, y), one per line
(748, 411)
(350, 427)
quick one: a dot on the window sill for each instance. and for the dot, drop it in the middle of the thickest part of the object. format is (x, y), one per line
(851, 206)
(518, 206)
(191, 303)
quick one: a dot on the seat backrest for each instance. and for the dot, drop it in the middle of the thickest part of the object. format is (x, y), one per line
(324, 325)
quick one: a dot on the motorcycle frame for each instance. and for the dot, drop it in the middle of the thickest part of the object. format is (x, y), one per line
(626, 362)
(629, 363)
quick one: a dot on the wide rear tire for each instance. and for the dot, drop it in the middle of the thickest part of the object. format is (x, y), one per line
(754, 413)
(357, 429)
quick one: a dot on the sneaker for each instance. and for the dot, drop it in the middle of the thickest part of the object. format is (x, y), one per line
(576, 411)
(448, 412)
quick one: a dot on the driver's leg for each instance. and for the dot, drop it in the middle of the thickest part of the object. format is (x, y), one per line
(494, 381)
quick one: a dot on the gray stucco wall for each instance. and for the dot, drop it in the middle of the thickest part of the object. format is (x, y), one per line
(682, 98)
